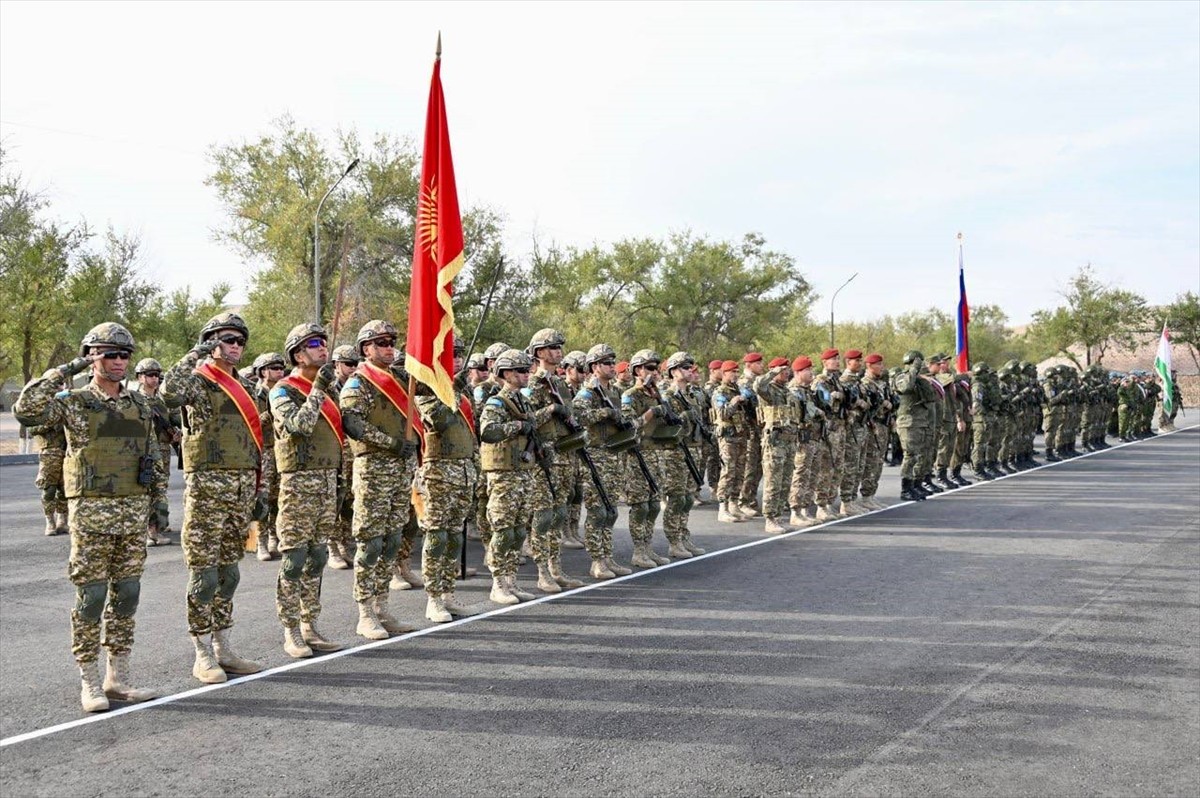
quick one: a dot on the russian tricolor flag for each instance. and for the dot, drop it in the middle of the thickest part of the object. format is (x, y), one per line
(964, 317)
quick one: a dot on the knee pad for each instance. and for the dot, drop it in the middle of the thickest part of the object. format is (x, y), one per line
(543, 520)
(89, 600)
(317, 557)
(368, 552)
(437, 541)
(561, 515)
(227, 584)
(638, 512)
(202, 585)
(411, 528)
(680, 502)
(125, 596)
(453, 545)
(391, 545)
(653, 507)
(293, 563)
(50, 493)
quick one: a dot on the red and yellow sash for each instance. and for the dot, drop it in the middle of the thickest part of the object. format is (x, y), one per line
(329, 409)
(240, 397)
(468, 413)
(390, 387)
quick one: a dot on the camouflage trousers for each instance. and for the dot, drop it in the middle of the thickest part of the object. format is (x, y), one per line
(482, 525)
(804, 474)
(829, 464)
(342, 532)
(598, 525)
(307, 514)
(643, 506)
(575, 505)
(748, 494)
(509, 510)
(548, 511)
(875, 442)
(984, 435)
(852, 461)
(49, 481)
(382, 488)
(779, 460)
(962, 447)
(1051, 424)
(270, 484)
(733, 468)
(216, 515)
(1125, 419)
(947, 436)
(710, 466)
(108, 555)
(1006, 440)
(914, 441)
(447, 489)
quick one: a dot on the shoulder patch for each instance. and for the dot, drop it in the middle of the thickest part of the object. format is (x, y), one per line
(586, 393)
(278, 392)
(626, 399)
(495, 402)
(354, 383)
(720, 398)
(527, 393)
(62, 394)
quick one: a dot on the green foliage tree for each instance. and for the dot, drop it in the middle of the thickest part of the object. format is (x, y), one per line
(1183, 318)
(1096, 316)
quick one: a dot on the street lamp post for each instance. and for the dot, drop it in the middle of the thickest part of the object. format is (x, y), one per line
(317, 243)
(831, 301)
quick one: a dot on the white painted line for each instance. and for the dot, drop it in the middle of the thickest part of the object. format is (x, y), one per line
(304, 663)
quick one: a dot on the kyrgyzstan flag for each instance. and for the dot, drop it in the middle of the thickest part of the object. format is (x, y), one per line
(437, 255)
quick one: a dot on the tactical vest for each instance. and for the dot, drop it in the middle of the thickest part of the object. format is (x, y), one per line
(224, 441)
(600, 432)
(316, 452)
(456, 442)
(656, 433)
(554, 428)
(510, 454)
(737, 420)
(119, 437)
(383, 416)
(778, 416)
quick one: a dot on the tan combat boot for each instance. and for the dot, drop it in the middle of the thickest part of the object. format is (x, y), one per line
(294, 645)
(398, 581)
(616, 567)
(726, 513)
(62, 527)
(435, 610)
(387, 620)
(690, 546)
(654, 555)
(570, 539)
(774, 527)
(264, 550)
(748, 510)
(500, 592)
(564, 581)
(91, 696)
(228, 659)
(545, 581)
(368, 625)
(206, 667)
(51, 525)
(450, 602)
(641, 557)
(677, 551)
(799, 520)
(336, 560)
(317, 641)
(599, 570)
(116, 681)
(408, 574)
(515, 589)
(825, 513)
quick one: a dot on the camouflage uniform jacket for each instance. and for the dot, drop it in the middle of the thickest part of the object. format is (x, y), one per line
(186, 390)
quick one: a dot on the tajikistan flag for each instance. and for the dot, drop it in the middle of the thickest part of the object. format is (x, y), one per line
(1162, 364)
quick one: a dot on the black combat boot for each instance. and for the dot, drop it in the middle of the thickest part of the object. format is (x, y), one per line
(956, 474)
(945, 481)
(992, 468)
(926, 484)
(906, 491)
(981, 471)
(1051, 457)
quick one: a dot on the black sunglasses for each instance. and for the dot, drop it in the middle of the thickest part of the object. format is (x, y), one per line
(157, 374)
(385, 343)
(118, 355)
(236, 340)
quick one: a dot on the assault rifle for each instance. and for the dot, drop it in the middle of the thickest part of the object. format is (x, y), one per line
(574, 426)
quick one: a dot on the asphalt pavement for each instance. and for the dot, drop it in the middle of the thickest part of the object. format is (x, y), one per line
(1034, 635)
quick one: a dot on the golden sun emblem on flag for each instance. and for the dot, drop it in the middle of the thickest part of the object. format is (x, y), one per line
(427, 216)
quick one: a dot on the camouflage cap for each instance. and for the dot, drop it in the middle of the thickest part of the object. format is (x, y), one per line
(678, 360)
(547, 337)
(575, 359)
(600, 352)
(267, 359)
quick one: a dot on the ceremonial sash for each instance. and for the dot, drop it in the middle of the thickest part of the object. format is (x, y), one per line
(468, 412)
(329, 409)
(390, 387)
(240, 397)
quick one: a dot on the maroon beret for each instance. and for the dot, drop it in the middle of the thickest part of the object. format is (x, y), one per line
(713, 365)
(752, 357)
(851, 354)
(777, 362)
(801, 363)
(829, 353)
(874, 357)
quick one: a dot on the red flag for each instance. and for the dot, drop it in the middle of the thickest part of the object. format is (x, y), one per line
(437, 255)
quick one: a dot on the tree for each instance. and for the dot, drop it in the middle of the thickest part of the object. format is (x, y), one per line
(1096, 316)
(1183, 318)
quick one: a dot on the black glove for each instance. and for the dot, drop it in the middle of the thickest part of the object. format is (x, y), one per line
(325, 377)
(403, 447)
(74, 367)
(205, 348)
(526, 428)
(562, 411)
(261, 511)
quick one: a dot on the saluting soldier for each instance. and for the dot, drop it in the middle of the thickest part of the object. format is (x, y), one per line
(914, 423)
(112, 473)
(855, 434)
(779, 409)
(732, 427)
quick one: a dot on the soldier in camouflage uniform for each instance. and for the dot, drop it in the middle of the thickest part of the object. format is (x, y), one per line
(753, 368)
(1010, 415)
(680, 489)
(477, 374)
(624, 376)
(484, 390)
(854, 438)
(375, 406)
(509, 457)
(112, 473)
(268, 369)
(1052, 415)
(712, 451)
(445, 482)
(914, 422)
(781, 412)
(877, 390)
(547, 390)
(960, 387)
(308, 452)
(167, 423)
(1153, 393)
(952, 423)
(342, 552)
(222, 461)
(643, 406)
(732, 425)
(597, 405)
(830, 397)
(802, 490)
(985, 404)
(575, 366)
(52, 448)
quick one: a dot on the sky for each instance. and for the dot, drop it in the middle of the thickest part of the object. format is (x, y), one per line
(858, 138)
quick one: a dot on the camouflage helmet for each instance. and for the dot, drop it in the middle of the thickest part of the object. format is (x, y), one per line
(575, 359)
(511, 360)
(298, 335)
(346, 354)
(495, 350)
(476, 361)
(912, 356)
(224, 321)
(981, 368)
(1007, 369)
(147, 364)
(266, 359)
(546, 338)
(644, 357)
(375, 328)
(600, 352)
(460, 346)
(108, 333)
(1028, 368)
(679, 359)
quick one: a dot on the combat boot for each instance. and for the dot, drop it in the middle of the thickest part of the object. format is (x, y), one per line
(641, 558)
(748, 510)
(726, 514)
(824, 513)
(264, 551)
(570, 539)
(388, 621)
(1051, 457)
(398, 581)
(564, 581)
(599, 570)
(906, 491)
(206, 668)
(677, 551)
(408, 574)
(336, 560)
(928, 485)
(435, 610)
(317, 641)
(228, 659)
(959, 478)
(91, 696)
(273, 544)
(616, 567)
(774, 527)
(799, 520)
(294, 645)
(690, 546)
(654, 555)
(452, 606)
(545, 581)
(116, 681)
(368, 624)
(945, 481)
(500, 592)
(62, 528)
(51, 525)
(515, 589)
